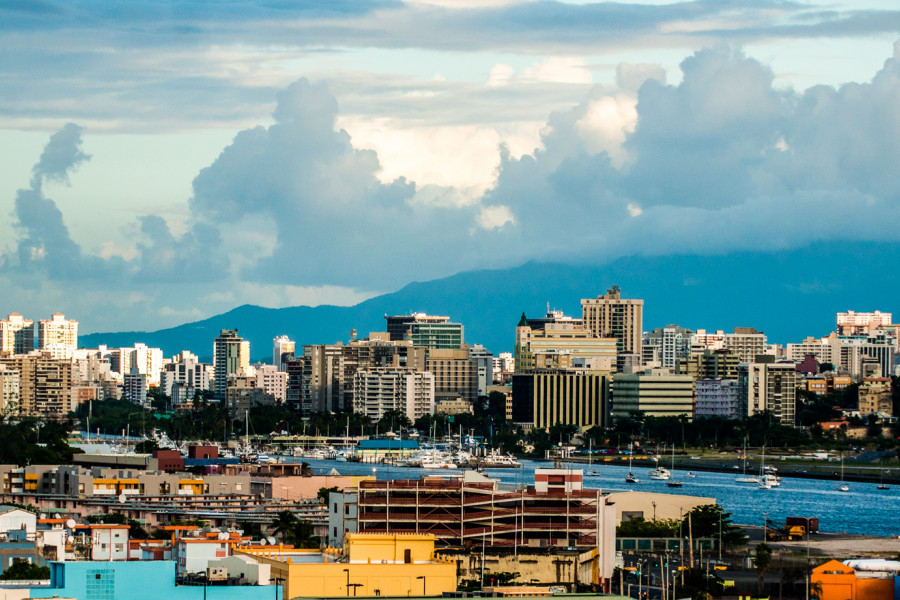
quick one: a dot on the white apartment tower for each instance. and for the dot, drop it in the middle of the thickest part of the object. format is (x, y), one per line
(230, 354)
(380, 389)
(58, 335)
(16, 334)
(282, 348)
(611, 316)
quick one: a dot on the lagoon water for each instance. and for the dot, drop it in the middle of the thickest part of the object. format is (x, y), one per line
(862, 510)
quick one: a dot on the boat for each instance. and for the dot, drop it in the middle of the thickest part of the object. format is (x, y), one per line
(843, 487)
(767, 480)
(674, 483)
(744, 478)
(631, 477)
(660, 473)
(690, 475)
(881, 484)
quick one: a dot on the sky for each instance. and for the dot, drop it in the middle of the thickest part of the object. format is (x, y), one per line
(162, 162)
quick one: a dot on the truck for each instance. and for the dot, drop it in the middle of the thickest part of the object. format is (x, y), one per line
(788, 532)
(811, 522)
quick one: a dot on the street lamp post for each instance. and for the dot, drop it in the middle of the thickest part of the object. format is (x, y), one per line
(422, 577)
(278, 580)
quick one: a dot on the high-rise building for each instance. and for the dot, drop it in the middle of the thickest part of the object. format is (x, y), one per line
(672, 343)
(283, 348)
(717, 398)
(655, 393)
(429, 331)
(45, 384)
(560, 342)
(484, 367)
(746, 342)
(230, 354)
(58, 335)
(16, 334)
(398, 326)
(139, 359)
(610, 315)
(711, 364)
(545, 398)
(183, 377)
(455, 375)
(765, 385)
(377, 390)
(272, 380)
(10, 389)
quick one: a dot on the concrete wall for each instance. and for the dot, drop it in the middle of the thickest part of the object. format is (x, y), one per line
(668, 506)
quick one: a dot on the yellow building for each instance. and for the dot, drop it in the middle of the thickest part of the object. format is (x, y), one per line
(371, 564)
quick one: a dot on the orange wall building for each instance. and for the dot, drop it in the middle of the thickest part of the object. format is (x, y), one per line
(840, 582)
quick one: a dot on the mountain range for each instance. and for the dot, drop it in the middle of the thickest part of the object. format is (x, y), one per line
(788, 294)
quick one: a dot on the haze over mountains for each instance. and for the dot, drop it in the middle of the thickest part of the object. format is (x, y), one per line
(786, 294)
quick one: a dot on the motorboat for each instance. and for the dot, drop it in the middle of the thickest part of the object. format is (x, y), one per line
(660, 474)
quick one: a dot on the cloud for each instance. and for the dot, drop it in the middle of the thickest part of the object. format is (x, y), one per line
(333, 220)
(723, 161)
(45, 246)
(61, 154)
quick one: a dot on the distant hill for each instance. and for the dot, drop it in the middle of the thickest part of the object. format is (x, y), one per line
(786, 294)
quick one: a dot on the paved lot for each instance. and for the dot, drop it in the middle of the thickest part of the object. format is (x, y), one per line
(846, 546)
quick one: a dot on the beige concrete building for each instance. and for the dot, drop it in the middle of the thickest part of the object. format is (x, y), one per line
(454, 406)
(710, 364)
(654, 392)
(545, 398)
(58, 335)
(854, 323)
(610, 315)
(875, 397)
(16, 334)
(45, 384)
(651, 506)
(560, 342)
(746, 342)
(455, 375)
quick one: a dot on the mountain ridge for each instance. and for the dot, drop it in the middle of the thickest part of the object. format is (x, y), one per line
(787, 294)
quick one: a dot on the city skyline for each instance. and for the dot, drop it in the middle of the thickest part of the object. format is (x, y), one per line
(313, 156)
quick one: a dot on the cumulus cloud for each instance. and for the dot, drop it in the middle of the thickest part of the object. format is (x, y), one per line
(722, 161)
(333, 219)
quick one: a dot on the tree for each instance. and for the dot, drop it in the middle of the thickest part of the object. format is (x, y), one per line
(325, 491)
(706, 521)
(25, 570)
(638, 527)
(762, 559)
(294, 531)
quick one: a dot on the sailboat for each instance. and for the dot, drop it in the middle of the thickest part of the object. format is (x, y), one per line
(766, 480)
(881, 484)
(631, 477)
(744, 478)
(674, 482)
(843, 487)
